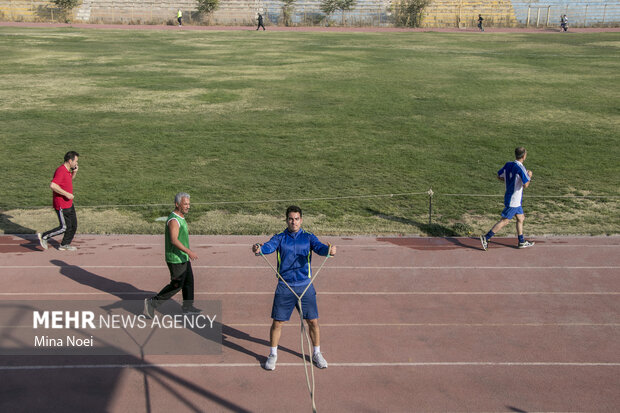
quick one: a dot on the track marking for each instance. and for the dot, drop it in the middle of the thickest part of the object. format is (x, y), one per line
(364, 325)
(146, 293)
(383, 244)
(334, 267)
(257, 365)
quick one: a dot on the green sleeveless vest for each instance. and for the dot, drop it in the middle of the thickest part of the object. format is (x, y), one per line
(173, 254)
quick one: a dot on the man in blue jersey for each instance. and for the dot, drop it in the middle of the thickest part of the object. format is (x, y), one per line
(516, 177)
(294, 247)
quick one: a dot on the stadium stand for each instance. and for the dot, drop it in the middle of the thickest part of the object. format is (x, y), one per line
(440, 13)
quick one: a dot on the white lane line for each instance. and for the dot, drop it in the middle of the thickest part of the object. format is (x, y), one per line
(391, 325)
(441, 325)
(332, 364)
(335, 267)
(383, 244)
(145, 293)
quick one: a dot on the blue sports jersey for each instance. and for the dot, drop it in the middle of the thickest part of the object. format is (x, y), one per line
(295, 254)
(515, 176)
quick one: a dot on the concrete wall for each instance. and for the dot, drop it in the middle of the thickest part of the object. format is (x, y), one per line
(441, 13)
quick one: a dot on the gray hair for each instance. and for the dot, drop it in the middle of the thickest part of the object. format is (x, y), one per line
(178, 197)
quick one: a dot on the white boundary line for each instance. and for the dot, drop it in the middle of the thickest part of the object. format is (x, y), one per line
(444, 325)
(145, 293)
(382, 243)
(335, 267)
(255, 365)
(390, 325)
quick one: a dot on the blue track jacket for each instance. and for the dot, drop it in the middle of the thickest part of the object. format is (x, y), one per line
(295, 254)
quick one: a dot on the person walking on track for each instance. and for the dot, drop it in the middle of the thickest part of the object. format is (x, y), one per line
(516, 178)
(62, 200)
(261, 23)
(178, 256)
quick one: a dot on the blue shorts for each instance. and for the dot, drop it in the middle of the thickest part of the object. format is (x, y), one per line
(284, 301)
(510, 212)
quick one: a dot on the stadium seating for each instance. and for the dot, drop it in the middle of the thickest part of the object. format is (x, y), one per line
(440, 13)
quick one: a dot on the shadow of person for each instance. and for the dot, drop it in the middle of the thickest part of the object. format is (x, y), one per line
(433, 230)
(16, 230)
(241, 335)
(10, 227)
(130, 297)
(91, 383)
(472, 242)
(81, 379)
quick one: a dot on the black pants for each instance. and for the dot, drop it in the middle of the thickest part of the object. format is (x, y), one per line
(260, 24)
(181, 278)
(68, 226)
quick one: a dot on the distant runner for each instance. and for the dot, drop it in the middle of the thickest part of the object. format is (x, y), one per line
(516, 177)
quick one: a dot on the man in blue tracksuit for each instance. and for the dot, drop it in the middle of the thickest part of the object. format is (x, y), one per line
(294, 247)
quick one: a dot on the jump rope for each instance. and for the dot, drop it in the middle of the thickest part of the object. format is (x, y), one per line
(311, 389)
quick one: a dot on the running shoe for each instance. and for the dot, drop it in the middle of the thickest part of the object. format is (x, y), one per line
(526, 244)
(191, 310)
(270, 364)
(42, 241)
(149, 308)
(67, 248)
(319, 361)
(484, 242)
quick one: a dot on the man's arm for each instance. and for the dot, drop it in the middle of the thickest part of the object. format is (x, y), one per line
(320, 248)
(173, 225)
(56, 188)
(529, 176)
(268, 247)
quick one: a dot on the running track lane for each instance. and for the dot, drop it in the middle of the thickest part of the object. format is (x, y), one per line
(409, 324)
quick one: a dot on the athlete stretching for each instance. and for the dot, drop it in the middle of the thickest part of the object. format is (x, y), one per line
(294, 247)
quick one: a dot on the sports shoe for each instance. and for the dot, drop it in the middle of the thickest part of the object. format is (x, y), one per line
(319, 361)
(526, 244)
(42, 241)
(270, 364)
(191, 310)
(67, 248)
(149, 308)
(484, 242)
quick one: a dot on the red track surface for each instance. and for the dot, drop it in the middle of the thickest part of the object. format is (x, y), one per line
(408, 324)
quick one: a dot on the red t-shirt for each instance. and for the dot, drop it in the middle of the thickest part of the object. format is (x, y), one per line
(64, 179)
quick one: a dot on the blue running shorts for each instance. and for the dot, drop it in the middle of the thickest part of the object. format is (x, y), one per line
(284, 301)
(510, 212)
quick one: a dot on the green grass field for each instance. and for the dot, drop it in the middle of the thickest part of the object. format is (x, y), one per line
(234, 117)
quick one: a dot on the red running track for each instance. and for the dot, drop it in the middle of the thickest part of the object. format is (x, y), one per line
(408, 325)
(310, 28)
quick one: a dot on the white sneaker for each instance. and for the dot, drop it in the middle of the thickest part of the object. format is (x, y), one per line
(67, 248)
(526, 244)
(319, 361)
(42, 241)
(149, 309)
(483, 241)
(270, 364)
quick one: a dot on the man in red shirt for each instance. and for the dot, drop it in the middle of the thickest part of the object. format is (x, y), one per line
(62, 193)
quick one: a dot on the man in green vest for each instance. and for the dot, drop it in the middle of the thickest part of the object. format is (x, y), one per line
(178, 256)
(180, 17)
